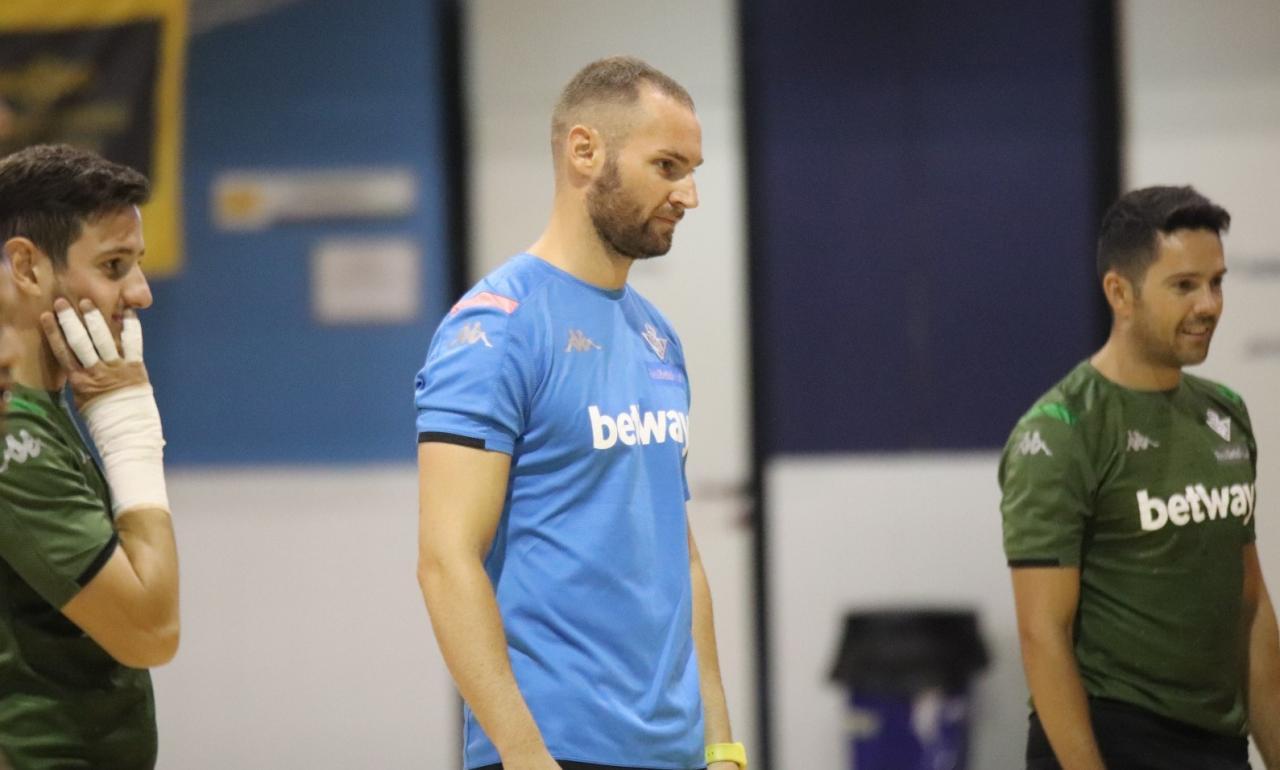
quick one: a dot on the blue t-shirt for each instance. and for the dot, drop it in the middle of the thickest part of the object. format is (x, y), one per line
(586, 389)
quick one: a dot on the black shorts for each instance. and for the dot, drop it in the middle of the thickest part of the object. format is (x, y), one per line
(1132, 738)
(578, 766)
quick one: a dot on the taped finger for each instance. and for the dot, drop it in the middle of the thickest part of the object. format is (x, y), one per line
(77, 337)
(101, 336)
(131, 337)
(57, 343)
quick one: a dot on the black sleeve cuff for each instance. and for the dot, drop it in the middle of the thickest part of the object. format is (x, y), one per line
(99, 561)
(1016, 563)
(450, 438)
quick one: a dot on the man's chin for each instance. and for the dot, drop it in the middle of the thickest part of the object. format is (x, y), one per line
(658, 248)
(1194, 356)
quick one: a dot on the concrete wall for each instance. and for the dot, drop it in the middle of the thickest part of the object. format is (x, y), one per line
(861, 532)
(305, 642)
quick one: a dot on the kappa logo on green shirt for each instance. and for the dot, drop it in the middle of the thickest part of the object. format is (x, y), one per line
(19, 449)
(1032, 444)
(1180, 510)
(1140, 442)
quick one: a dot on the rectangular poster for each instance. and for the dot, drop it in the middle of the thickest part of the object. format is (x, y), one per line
(106, 75)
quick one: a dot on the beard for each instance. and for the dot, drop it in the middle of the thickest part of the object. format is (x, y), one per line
(619, 221)
(1168, 353)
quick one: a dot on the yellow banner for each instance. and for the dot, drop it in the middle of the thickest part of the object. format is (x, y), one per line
(106, 75)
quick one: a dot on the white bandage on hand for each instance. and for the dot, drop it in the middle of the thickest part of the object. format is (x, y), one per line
(131, 338)
(96, 343)
(101, 336)
(125, 425)
(77, 337)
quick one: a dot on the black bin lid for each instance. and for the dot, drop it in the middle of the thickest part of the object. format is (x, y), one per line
(907, 650)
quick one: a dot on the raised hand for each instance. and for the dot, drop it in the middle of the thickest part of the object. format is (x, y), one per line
(114, 395)
(87, 352)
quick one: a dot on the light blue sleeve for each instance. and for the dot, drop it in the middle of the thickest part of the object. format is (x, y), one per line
(688, 398)
(475, 386)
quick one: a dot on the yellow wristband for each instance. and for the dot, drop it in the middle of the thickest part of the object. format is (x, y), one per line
(728, 752)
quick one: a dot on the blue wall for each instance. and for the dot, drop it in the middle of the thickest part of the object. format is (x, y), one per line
(924, 201)
(243, 373)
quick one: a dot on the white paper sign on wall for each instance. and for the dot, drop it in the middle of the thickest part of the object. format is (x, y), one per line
(255, 200)
(366, 280)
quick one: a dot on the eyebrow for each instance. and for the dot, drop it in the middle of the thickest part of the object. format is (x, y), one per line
(680, 157)
(124, 250)
(1192, 274)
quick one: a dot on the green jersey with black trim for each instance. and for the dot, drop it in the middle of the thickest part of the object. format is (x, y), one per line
(64, 702)
(1152, 495)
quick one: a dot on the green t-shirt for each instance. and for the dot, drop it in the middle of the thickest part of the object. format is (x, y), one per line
(1151, 495)
(64, 702)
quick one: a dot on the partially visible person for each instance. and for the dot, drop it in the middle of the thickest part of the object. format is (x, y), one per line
(1148, 636)
(88, 564)
(8, 337)
(556, 557)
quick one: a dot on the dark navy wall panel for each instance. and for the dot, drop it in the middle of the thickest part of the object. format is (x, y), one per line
(924, 203)
(243, 372)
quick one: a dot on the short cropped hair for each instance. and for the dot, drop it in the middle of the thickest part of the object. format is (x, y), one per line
(1130, 229)
(48, 192)
(613, 80)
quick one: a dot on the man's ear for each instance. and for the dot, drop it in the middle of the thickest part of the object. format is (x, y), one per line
(584, 150)
(1120, 292)
(25, 263)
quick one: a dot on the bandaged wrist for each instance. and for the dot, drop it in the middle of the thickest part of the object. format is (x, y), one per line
(125, 426)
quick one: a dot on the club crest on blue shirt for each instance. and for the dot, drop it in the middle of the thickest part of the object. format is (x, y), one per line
(656, 341)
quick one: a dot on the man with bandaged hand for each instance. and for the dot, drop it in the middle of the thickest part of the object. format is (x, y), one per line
(88, 565)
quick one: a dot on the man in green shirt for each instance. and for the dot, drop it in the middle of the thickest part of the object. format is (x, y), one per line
(88, 566)
(1148, 637)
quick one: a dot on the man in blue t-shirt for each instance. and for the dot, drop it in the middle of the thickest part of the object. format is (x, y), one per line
(556, 559)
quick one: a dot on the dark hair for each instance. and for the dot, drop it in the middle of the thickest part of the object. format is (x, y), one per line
(1128, 239)
(48, 192)
(615, 80)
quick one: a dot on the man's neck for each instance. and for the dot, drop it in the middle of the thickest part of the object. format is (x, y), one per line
(1120, 361)
(571, 243)
(36, 368)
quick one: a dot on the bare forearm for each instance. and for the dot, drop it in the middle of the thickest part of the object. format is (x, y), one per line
(130, 607)
(146, 537)
(1060, 701)
(467, 624)
(1264, 684)
(715, 709)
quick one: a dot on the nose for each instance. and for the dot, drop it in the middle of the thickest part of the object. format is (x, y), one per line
(1208, 303)
(685, 194)
(137, 292)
